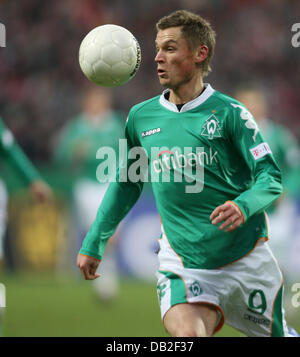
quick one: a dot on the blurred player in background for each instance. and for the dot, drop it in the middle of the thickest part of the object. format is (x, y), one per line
(11, 152)
(98, 125)
(283, 143)
(283, 215)
(214, 259)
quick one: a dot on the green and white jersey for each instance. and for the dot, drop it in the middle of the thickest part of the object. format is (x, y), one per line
(234, 163)
(15, 157)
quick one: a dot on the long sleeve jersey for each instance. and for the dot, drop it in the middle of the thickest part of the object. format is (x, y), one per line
(208, 152)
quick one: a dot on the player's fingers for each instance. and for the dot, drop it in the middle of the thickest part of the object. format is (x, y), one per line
(222, 208)
(95, 276)
(92, 273)
(223, 215)
(229, 221)
(216, 212)
(88, 274)
(83, 272)
(235, 225)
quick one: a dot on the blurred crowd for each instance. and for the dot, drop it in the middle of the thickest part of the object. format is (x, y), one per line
(60, 119)
(41, 81)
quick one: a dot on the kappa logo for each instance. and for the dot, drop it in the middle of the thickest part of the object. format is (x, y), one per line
(248, 117)
(151, 132)
(211, 128)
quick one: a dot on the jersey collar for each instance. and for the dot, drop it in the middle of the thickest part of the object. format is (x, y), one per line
(208, 91)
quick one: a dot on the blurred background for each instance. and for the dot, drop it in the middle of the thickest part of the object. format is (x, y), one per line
(60, 120)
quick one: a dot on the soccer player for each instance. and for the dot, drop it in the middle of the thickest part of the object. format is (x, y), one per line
(213, 175)
(16, 158)
(97, 125)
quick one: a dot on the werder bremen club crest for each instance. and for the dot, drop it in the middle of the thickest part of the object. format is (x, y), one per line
(211, 128)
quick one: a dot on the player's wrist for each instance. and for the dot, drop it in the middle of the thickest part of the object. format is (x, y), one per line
(90, 254)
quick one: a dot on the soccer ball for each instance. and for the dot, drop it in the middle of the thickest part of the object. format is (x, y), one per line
(109, 55)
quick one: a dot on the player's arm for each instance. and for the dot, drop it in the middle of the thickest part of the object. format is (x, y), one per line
(119, 198)
(15, 157)
(266, 187)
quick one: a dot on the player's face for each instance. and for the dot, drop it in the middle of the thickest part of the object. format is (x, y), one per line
(175, 61)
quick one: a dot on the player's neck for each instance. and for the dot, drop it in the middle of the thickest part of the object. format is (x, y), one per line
(187, 92)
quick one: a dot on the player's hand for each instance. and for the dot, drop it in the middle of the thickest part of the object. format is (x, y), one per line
(88, 266)
(229, 214)
(40, 191)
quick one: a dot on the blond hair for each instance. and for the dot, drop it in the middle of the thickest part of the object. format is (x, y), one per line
(195, 29)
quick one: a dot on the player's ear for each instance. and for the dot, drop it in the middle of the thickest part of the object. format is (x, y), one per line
(201, 53)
